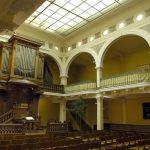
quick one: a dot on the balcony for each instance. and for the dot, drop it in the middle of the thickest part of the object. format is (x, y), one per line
(52, 88)
(126, 79)
(133, 78)
(80, 86)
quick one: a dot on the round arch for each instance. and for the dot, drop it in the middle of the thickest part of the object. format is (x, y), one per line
(141, 33)
(56, 59)
(77, 53)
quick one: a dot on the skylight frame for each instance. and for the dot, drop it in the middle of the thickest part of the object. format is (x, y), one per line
(52, 16)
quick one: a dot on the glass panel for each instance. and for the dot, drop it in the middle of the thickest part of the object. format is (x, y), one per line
(55, 15)
(100, 6)
(108, 2)
(70, 12)
(84, 6)
(92, 2)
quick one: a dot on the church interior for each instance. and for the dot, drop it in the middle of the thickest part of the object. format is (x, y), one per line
(75, 75)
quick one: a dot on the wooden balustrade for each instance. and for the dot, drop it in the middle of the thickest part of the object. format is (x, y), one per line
(8, 115)
(128, 127)
(12, 129)
(53, 88)
(57, 127)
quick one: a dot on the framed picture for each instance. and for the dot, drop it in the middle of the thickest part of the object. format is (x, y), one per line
(146, 110)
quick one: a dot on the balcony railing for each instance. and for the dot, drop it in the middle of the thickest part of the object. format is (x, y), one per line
(6, 116)
(123, 79)
(127, 78)
(81, 86)
(12, 129)
(53, 88)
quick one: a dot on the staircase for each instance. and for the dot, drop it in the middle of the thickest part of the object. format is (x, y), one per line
(81, 123)
(6, 117)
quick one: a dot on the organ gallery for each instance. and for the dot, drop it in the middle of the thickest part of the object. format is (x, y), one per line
(21, 77)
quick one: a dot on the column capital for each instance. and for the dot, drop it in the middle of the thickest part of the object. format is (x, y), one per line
(63, 76)
(99, 67)
(98, 96)
(63, 79)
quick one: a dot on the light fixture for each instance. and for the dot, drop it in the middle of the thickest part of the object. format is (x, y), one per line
(69, 48)
(105, 32)
(121, 25)
(56, 47)
(29, 118)
(79, 44)
(42, 27)
(50, 30)
(139, 17)
(91, 38)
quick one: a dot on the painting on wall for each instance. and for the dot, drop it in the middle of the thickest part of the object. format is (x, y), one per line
(146, 110)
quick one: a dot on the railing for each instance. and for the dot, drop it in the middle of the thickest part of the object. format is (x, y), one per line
(125, 79)
(7, 116)
(128, 127)
(81, 86)
(53, 88)
(57, 127)
(12, 129)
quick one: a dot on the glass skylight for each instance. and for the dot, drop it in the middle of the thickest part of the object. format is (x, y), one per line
(66, 16)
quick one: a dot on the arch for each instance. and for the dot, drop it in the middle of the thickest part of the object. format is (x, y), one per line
(141, 33)
(56, 59)
(76, 53)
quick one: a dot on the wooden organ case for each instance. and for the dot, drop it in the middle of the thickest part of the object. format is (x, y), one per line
(21, 76)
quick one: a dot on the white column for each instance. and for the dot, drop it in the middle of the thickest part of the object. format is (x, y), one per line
(98, 75)
(124, 111)
(100, 123)
(63, 80)
(62, 112)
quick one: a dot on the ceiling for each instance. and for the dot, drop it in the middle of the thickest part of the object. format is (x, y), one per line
(14, 12)
(65, 16)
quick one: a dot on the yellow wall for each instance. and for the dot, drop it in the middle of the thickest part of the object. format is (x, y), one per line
(74, 73)
(48, 110)
(111, 66)
(135, 111)
(133, 60)
(81, 73)
(91, 114)
(115, 111)
(128, 63)
(88, 73)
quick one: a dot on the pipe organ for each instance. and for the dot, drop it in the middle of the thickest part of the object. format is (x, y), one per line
(25, 58)
(21, 76)
(5, 57)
